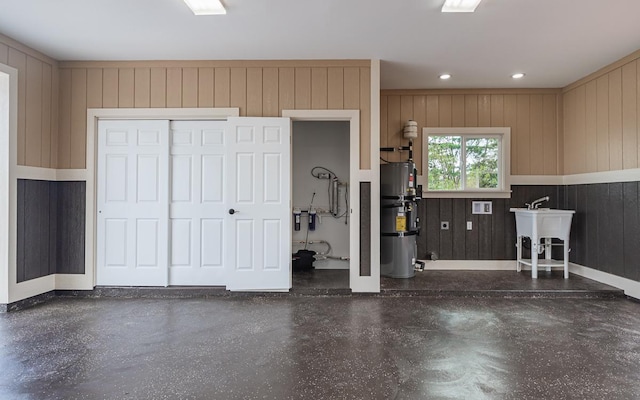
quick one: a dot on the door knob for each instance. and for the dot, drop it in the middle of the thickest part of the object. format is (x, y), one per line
(232, 211)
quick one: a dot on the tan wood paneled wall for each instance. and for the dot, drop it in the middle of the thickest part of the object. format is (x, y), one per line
(37, 103)
(602, 119)
(258, 88)
(532, 114)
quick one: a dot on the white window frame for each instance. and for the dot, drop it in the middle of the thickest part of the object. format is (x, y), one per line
(504, 162)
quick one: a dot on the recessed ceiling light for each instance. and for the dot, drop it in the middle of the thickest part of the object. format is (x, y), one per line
(444, 77)
(206, 7)
(518, 75)
(460, 5)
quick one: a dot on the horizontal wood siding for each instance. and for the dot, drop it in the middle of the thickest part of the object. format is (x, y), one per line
(257, 88)
(37, 103)
(602, 120)
(532, 115)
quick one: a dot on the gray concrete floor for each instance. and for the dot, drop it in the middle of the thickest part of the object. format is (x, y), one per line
(462, 283)
(341, 347)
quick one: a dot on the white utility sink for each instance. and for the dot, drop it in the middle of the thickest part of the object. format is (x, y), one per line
(547, 224)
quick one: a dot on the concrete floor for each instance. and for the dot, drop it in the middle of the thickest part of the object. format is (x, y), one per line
(339, 347)
(461, 283)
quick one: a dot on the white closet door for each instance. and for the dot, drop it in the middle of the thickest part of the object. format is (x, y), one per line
(133, 177)
(259, 232)
(198, 211)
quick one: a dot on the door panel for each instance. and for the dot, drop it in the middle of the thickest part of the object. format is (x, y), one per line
(132, 204)
(258, 157)
(198, 210)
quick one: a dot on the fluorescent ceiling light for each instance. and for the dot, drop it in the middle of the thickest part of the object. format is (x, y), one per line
(206, 7)
(460, 5)
(518, 75)
(445, 76)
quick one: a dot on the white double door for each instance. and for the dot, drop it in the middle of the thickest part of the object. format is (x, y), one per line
(194, 203)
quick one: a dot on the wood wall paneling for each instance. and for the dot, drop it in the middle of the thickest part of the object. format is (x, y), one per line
(630, 116)
(302, 88)
(237, 89)
(394, 124)
(142, 88)
(550, 134)
(286, 92)
(335, 88)
(602, 123)
(351, 91)
(158, 95)
(94, 88)
(33, 118)
(511, 120)
(420, 116)
(174, 88)
(471, 110)
(319, 88)
(4, 53)
(591, 127)
(190, 86)
(47, 120)
(78, 137)
(126, 87)
(109, 88)
(254, 92)
(532, 116)
(579, 134)
(64, 133)
(537, 150)
(18, 60)
(205, 87)
(270, 92)
(222, 87)
(364, 104)
(256, 89)
(457, 110)
(615, 119)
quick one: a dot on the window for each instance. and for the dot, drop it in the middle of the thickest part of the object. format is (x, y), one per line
(467, 160)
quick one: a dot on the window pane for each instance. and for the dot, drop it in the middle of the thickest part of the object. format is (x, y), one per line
(444, 162)
(482, 163)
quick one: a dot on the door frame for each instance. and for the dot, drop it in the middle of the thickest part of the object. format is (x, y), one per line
(353, 117)
(88, 280)
(9, 290)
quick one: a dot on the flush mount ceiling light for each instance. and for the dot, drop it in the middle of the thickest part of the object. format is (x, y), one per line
(444, 77)
(519, 75)
(460, 5)
(206, 7)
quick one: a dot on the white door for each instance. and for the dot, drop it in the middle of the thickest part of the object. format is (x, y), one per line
(133, 178)
(259, 180)
(198, 211)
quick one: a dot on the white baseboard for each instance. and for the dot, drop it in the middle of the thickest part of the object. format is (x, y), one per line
(631, 288)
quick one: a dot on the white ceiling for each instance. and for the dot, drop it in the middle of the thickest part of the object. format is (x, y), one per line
(550, 40)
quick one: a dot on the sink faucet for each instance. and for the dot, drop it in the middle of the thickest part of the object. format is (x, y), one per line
(536, 203)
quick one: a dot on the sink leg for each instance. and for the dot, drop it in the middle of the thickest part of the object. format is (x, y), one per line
(566, 259)
(519, 254)
(534, 258)
(547, 251)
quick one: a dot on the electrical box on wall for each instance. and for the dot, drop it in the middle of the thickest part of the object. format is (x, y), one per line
(481, 207)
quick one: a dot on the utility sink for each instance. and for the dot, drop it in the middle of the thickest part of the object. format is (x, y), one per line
(543, 224)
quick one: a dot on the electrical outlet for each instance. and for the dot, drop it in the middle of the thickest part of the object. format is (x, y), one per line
(469, 225)
(444, 225)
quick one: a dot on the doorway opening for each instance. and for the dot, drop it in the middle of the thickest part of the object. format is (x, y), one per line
(320, 194)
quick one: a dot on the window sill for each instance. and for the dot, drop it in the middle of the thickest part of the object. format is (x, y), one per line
(466, 194)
